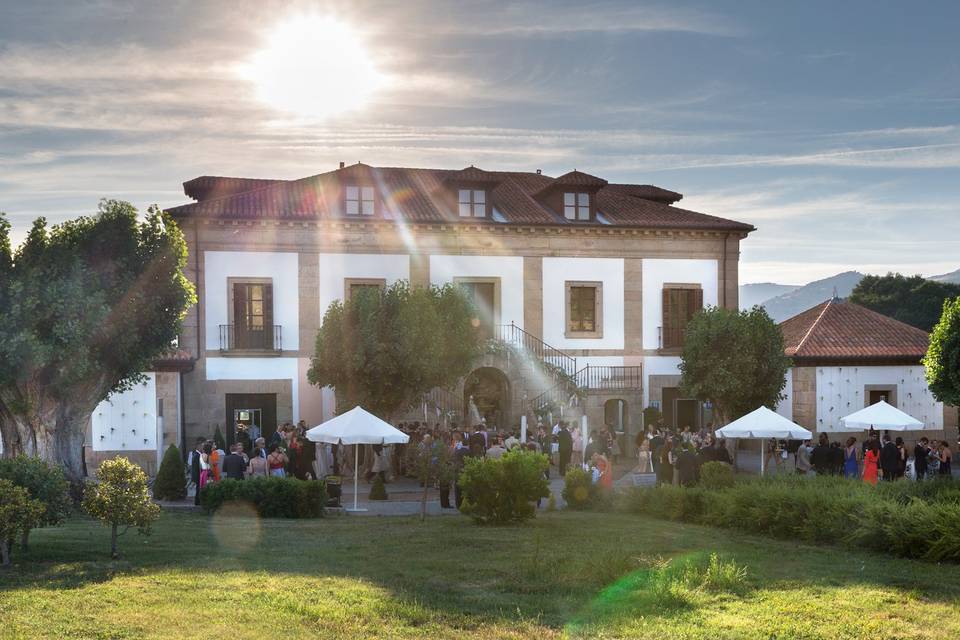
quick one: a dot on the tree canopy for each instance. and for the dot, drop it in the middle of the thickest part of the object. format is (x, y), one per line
(913, 300)
(942, 361)
(87, 306)
(735, 360)
(383, 349)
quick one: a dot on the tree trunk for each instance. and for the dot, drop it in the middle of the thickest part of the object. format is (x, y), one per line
(24, 539)
(35, 424)
(423, 501)
(4, 553)
(113, 542)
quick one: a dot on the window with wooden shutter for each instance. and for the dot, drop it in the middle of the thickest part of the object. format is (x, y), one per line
(584, 309)
(680, 304)
(252, 315)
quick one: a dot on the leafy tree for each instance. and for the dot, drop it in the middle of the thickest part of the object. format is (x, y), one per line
(942, 361)
(733, 359)
(219, 440)
(432, 463)
(87, 305)
(503, 490)
(120, 498)
(18, 513)
(171, 481)
(383, 349)
(913, 300)
(44, 482)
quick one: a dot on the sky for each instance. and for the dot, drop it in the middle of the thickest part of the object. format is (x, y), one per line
(833, 127)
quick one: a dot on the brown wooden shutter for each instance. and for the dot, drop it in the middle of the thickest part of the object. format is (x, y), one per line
(696, 302)
(239, 300)
(665, 330)
(268, 305)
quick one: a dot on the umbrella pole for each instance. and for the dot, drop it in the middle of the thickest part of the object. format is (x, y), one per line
(356, 474)
(763, 456)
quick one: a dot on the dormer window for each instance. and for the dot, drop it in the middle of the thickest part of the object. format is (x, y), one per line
(576, 206)
(472, 203)
(359, 201)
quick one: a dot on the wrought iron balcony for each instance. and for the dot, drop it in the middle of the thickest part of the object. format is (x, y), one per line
(268, 338)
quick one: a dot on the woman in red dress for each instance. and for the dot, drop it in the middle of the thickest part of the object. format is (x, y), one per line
(870, 460)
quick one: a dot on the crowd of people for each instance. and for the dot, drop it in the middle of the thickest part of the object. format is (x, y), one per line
(876, 458)
(676, 455)
(287, 452)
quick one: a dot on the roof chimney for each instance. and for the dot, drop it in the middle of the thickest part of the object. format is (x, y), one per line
(539, 172)
(342, 164)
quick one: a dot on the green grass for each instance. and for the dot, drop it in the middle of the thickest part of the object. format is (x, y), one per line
(563, 575)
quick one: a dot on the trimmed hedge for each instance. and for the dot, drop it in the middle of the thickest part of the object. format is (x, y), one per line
(272, 497)
(716, 475)
(909, 519)
(504, 490)
(171, 481)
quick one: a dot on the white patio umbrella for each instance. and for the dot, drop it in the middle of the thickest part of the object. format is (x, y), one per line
(880, 416)
(763, 423)
(357, 427)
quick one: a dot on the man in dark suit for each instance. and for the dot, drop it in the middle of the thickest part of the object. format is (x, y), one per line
(564, 448)
(233, 464)
(193, 461)
(889, 458)
(920, 453)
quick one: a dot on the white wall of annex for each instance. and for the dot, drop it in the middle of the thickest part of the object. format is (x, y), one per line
(509, 269)
(840, 392)
(657, 272)
(336, 267)
(282, 268)
(785, 408)
(556, 272)
(127, 421)
(258, 369)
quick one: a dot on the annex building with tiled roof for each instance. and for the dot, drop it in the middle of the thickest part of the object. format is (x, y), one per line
(846, 357)
(598, 278)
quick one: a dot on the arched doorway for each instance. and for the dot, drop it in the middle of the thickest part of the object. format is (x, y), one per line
(489, 389)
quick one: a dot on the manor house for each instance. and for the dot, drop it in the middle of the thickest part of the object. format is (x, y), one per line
(594, 278)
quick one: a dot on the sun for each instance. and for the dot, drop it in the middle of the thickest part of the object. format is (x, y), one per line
(314, 67)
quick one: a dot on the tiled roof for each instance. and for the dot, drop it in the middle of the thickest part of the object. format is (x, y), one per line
(423, 195)
(839, 330)
(174, 360)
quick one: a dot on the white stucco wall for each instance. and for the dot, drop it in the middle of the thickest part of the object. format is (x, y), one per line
(657, 272)
(127, 421)
(258, 369)
(336, 267)
(840, 392)
(785, 408)
(282, 268)
(558, 271)
(509, 269)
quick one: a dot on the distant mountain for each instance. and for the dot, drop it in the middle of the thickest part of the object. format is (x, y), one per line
(953, 276)
(760, 292)
(789, 304)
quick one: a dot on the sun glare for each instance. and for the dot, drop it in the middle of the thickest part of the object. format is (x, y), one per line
(313, 67)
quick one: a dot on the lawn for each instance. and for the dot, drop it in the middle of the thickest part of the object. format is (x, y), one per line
(564, 575)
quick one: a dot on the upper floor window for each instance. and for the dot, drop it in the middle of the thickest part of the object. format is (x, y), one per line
(584, 309)
(680, 304)
(252, 315)
(472, 203)
(359, 201)
(576, 206)
(354, 286)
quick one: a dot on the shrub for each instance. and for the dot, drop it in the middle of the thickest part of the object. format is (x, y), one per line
(272, 497)
(43, 482)
(171, 481)
(219, 440)
(18, 513)
(578, 488)
(909, 519)
(379, 490)
(716, 475)
(503, 490)
(120, 498)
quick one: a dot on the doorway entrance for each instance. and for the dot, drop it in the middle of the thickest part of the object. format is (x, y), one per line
(680, 412)
(248, 409)
(486, 392)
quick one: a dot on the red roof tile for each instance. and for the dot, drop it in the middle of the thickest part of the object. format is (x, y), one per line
(839, 330)
(419, 195)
